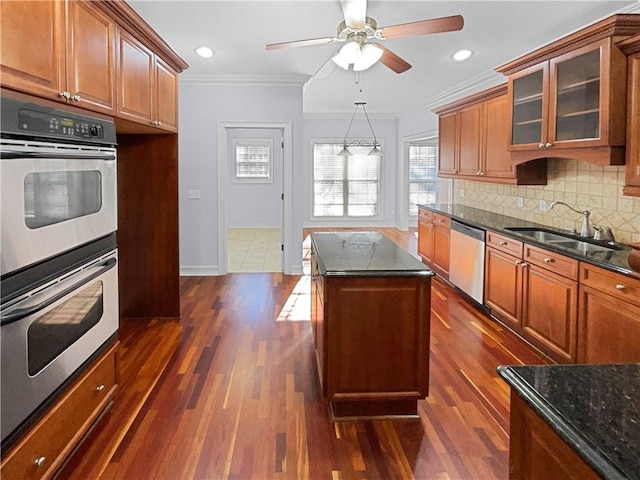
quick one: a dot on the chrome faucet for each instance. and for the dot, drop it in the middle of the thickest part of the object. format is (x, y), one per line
(585, 231)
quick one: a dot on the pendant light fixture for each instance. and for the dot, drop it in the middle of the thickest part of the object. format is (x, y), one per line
(375, 144)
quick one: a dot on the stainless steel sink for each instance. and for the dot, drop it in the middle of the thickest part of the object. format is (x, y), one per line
(559, 240)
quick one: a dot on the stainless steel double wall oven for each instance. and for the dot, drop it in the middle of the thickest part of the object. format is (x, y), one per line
(59, 280)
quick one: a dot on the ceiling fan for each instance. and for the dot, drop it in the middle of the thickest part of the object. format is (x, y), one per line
(361, 34)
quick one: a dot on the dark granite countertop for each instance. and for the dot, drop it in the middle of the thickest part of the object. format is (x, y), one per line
(594, 408)
(363, 254)
(615, 260)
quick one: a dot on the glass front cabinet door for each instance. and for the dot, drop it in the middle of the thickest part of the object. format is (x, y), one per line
(567, 102)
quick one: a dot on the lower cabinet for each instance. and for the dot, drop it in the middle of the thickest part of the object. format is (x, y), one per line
(434, 231)
(535, 294)
(45, 447)
(536, 452)
(609, 317)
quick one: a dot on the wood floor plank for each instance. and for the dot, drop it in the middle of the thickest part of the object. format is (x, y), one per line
(232, 392)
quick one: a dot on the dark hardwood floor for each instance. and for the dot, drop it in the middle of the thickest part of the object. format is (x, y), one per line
(234, 394)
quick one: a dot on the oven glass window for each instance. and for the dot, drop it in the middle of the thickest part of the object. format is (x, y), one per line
(60, 327)
(54, 197)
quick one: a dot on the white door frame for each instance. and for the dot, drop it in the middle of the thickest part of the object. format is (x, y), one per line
(223, 173)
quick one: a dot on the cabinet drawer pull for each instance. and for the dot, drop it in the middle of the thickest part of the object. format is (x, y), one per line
(620, 286)
(504, 244)
(548, 260)
(100, 388)
(40, 461)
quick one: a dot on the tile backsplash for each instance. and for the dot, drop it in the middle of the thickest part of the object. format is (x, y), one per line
(580, 184)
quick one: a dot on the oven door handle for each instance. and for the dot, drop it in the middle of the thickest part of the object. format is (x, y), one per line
(11, 154)
(20, 313)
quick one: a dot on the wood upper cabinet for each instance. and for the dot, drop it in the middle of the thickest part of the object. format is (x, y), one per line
(59, 50)
(609, 317)
(571, 94)
(632, 178)
(147, 86)
(473, 142)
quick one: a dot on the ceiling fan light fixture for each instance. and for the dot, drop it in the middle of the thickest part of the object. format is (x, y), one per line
(347, 55)
(369, 55)
(204, 52)
(462, 55)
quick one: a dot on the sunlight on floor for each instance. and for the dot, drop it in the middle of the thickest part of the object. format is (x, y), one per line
(297, 308)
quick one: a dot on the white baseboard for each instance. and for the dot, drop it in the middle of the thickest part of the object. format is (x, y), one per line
(199, 271)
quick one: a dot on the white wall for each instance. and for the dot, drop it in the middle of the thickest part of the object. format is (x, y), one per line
(202, 106)
(335, 130)
(256, 205)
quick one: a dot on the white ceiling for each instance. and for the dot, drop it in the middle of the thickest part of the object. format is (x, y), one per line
(238, 30)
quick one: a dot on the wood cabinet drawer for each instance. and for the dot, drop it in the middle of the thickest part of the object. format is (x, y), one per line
(619, 286)
(442, 220)
(553, 262)
(44, 448)
(425, 215)
(504, 244)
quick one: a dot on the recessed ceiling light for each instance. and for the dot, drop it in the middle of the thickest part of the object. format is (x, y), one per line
(204, 52)
(461, 55)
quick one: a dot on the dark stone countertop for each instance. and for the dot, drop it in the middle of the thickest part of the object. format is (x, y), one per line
(615, 260)
(363, 254)
(594, 408)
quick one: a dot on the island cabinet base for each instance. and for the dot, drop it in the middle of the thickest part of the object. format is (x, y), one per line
(536, 452)
(376, 360)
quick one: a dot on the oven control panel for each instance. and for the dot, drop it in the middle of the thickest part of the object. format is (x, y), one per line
(38, 122)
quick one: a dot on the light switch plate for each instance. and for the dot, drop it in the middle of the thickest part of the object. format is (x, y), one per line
(193, 194)
(542, 205)
(520, 202)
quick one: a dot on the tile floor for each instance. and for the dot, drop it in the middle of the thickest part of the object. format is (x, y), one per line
(254, 250)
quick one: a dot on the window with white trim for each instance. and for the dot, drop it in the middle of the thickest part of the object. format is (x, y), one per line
(423, 174)
(345, 186)
(253, 160)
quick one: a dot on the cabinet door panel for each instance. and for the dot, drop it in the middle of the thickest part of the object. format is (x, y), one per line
(90, 57)
(633, 127)
(503, 286)
(497, 162)
(528, 91)
(441, 236)
(609, 329)
(470, 142)
(425, 240)
(549, 316)
(447, 150)
(135, 80)
(166, 100)
(32, 38)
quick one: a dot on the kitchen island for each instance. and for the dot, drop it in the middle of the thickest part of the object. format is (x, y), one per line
(574, 421)
(370, 311)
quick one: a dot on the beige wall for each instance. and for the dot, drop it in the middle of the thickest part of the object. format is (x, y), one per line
(580, 184)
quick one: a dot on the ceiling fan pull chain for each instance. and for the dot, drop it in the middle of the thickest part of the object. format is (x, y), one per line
(359, 82)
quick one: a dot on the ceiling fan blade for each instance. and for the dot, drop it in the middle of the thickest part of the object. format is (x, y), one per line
(393, 61)
(302, 43)
(355, 13)
(434, 25)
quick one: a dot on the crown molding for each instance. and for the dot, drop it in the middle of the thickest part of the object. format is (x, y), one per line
(242, 80)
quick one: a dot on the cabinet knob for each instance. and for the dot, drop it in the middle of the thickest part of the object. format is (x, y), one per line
(620, 286)
(541, 145)
(548, 145)
(548, 260)
(100, 388)
(75, 98)
(504, 244)
(481, 174)
(524, 264)
(518, 263)
(64, 95)
(40, 461)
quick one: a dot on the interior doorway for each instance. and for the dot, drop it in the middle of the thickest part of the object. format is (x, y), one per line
(259, 206)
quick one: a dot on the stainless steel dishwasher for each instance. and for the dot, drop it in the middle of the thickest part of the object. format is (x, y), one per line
(466, 261)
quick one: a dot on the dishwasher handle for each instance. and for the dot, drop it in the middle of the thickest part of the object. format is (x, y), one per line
(472, 232)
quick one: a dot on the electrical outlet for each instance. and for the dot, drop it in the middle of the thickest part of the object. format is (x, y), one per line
(520, 202)
(461, 193)
(542, 205)
(193, 194)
